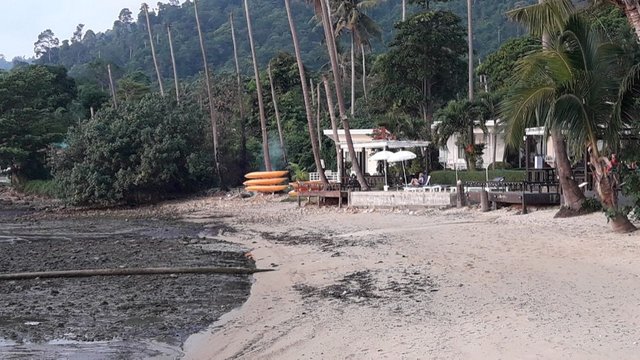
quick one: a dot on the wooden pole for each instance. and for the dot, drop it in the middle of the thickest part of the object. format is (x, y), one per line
(129, 271)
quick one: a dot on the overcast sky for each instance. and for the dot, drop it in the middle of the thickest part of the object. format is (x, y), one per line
(22, 20)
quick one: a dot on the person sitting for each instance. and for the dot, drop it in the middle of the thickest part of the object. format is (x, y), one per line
(414, 182)
(422, 180)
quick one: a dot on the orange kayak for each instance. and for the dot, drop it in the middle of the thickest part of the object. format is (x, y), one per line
(266, 188)
(274, 181)
(266, 174)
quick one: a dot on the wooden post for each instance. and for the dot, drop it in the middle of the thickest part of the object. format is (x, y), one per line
(524, 202)
(460, 200)
(484, 200)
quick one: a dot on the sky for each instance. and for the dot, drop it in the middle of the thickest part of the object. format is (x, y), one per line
(21, 21)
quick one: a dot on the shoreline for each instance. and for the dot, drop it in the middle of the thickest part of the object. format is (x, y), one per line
(438, 284)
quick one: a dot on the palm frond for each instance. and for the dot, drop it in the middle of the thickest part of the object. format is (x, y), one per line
(548, 17)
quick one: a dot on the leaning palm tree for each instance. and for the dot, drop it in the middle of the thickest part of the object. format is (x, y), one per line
(544, 19)
(350, 16)
(575, 82)
(305, 95)
(323, 12)
(263, 119)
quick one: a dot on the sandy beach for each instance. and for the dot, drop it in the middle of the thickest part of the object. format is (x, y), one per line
(425, 284)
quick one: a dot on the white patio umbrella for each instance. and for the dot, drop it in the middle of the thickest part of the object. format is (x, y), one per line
(382, 156)
(402, 156)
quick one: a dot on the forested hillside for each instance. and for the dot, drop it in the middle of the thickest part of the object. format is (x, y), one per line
(126, 45)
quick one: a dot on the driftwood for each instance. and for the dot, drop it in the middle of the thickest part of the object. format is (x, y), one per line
(129, 271)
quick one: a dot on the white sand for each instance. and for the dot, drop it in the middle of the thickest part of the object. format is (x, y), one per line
(452, 284)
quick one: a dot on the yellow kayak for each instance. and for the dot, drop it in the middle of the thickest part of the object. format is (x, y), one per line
(266, 188)
(274, 181)
(266, 174)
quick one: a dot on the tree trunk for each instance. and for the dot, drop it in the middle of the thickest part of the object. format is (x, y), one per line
(263, 119)
(632, 12)
(364, 72)
(112, 87)
(334, 126)
(333, 55)
(470, 44)
(243, 128)
(305, 94)
(495, 144)
(153, 49)
(353, 73)
(573, 196)
(275, 109)
(318, 118)
(606, 184)
(404, 10)
(173, 62)
(212, 113)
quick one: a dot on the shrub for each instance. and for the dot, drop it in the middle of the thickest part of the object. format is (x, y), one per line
(47, 188)
(144, 150)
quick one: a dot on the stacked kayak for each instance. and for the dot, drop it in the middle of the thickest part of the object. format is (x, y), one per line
(266, 181)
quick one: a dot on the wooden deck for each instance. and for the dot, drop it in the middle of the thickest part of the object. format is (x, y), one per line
(545, 192)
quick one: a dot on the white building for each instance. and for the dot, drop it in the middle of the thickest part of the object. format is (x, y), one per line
(452, 155)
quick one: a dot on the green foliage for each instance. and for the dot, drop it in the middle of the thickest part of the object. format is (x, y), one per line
(142, 151)
(46, 188)
(299, 173)
(448, 177)
(500, 65)
(33, 116)
(424, 65)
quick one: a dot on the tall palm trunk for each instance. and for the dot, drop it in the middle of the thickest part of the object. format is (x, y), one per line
(333, 55)
(263, 119)
(112, 87)
(573, 196)
(243, 128)
(334, 126)
(606, 184)
(353, 73)
(207, 80)
(305, 95)
(318, 118)
(364, 72)
(275, 108)
(153, 49)
(173, 62)
(404, 10)
(470, 45)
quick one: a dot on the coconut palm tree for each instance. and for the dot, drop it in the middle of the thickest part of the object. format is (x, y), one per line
(323, 12)
(305, 95)
(460, 117)
(543, 19)
(350, 16)
(576, 83)
(145, 8)
(263, 119)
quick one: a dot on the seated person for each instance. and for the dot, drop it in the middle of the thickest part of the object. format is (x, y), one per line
(414, 182)
(422, 180)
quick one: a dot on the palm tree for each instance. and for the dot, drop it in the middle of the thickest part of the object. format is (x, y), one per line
(350, 16)
(334, 124)
(576, 83)
(207, 79)
(470, 43)
(263, 119)
(460, 117)
(323, 7)
(277, 112)
(173, 62)
(543, 19)
(145, 8)
(243, 130)
(305, 94)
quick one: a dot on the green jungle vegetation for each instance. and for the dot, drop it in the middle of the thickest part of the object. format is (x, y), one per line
(89, 114)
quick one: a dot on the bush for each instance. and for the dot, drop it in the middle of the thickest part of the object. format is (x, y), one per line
(47, 188)
(142, 151)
